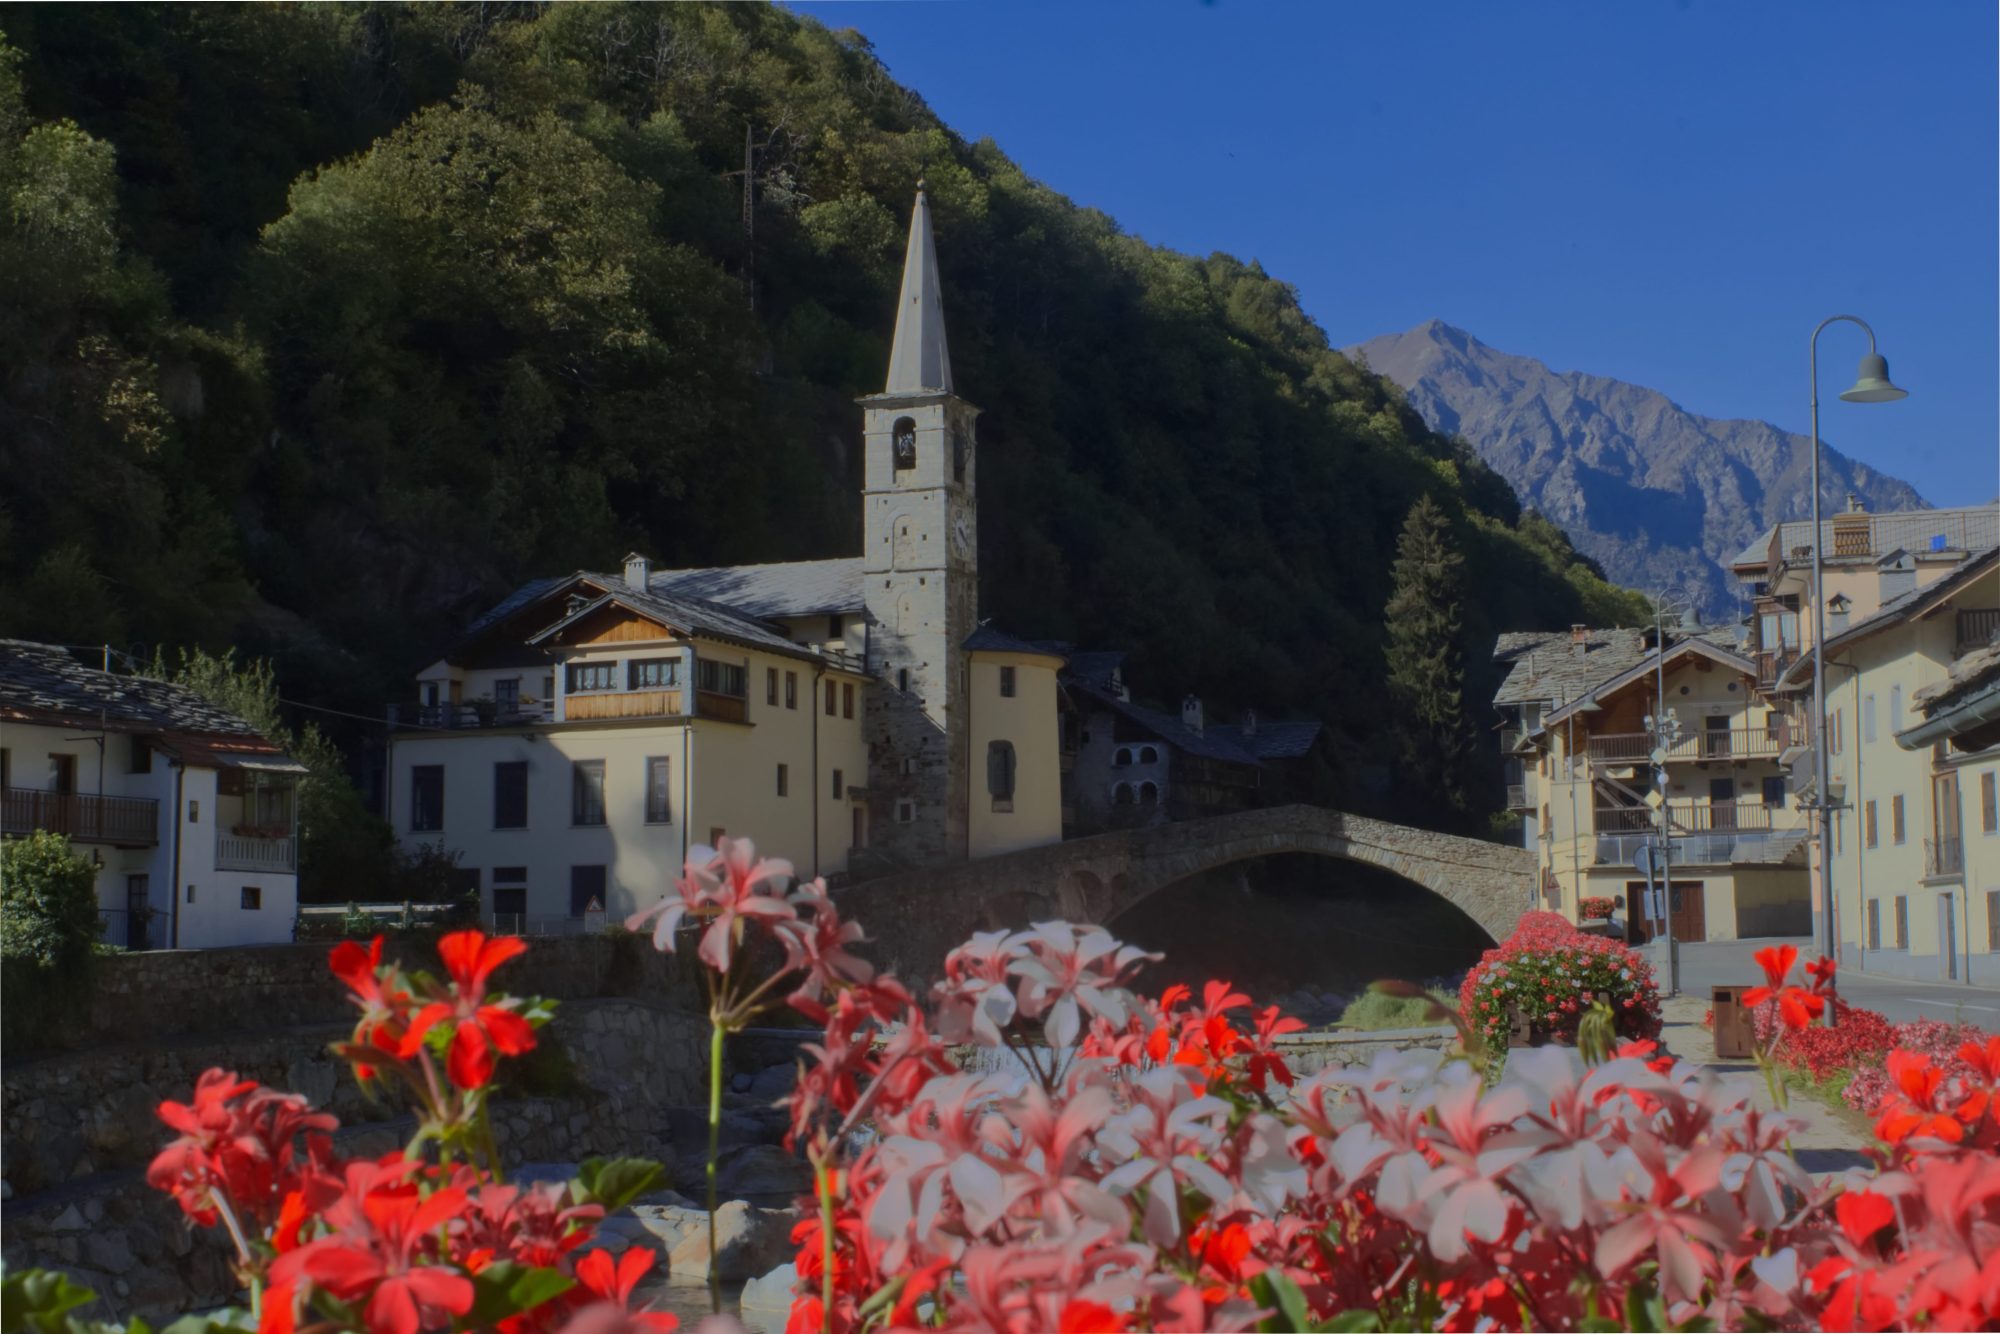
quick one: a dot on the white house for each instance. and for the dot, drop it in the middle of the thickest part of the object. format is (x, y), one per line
(190, 816)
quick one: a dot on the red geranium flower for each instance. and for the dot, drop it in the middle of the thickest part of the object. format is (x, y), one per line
(1796, 1006)
(470, 957)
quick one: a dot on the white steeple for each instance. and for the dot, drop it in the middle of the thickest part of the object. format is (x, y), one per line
(919, 361)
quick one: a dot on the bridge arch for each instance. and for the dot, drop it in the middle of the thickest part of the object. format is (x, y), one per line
(916, 918)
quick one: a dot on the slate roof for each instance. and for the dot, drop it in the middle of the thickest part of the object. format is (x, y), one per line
(1546, 668)
(1966, 529)
(788, 588)
(692, 615)
(990, 640)
(514, 602)
(1097, 665)
(1980, 667)
(1898, 607)
(43, 683)
(1272, 741)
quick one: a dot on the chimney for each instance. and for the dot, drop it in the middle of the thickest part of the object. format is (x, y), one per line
(1191, 714)
(1579, 639)
(1249, 722)
(637, 571)
(1854, 505)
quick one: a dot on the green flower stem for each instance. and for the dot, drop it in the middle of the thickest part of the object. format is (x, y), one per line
(825, 1183)
(715, 1033)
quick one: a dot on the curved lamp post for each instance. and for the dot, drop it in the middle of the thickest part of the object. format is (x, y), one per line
(1871, 385)
(1666, 735)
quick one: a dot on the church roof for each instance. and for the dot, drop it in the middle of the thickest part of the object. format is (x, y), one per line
(919, 361)
(788, 588)
(1272, 741)
(987, 639)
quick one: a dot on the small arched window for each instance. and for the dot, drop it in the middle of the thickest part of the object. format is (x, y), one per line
(1147, 755)
(1121, 795)
(903, 440)
(1149, 795)
(1124, 758)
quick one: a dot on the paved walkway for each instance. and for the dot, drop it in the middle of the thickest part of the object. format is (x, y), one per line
(1830, 1143)
(1721, 962)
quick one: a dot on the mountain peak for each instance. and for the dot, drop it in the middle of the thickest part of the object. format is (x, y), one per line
(1653, 492)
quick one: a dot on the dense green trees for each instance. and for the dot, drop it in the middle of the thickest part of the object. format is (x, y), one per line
(392, 307)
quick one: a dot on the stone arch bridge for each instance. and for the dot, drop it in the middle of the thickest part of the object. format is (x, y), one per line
(915, 918)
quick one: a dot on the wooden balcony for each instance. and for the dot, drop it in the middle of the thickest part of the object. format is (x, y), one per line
(128, 822)
(623, 704)
(1517, 797)
(1700, 744)
(729, 708)
(1691, 817)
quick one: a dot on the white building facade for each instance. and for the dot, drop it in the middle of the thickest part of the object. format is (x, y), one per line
(189, 816)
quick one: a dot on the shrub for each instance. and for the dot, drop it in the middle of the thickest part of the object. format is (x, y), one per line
(49, 926)
(1375, 1011)
(1550, 973)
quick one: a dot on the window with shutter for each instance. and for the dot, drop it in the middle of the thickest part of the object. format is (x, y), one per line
(1000, 774)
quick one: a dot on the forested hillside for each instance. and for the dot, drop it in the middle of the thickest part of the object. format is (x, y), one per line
(322, 327)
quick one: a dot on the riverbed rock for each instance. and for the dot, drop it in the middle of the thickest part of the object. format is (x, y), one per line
(748, 1241)
(770, 1294)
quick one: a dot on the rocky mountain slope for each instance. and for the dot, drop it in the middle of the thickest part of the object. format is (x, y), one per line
(1652, 491)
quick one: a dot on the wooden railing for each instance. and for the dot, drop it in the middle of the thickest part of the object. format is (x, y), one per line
(622, 704)
(126, 821)
(245, 852)
(1735, 743)
(1694, 817)
(729, 708)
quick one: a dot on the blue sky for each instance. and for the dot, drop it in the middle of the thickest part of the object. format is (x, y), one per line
(1672, 194)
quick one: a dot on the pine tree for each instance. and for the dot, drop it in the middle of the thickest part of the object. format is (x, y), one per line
(1427, 664)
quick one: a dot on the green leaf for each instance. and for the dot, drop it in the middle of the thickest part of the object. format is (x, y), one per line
(1272, 1288)
(36, 1299)
(616, 1182)
(505, 1289)
(1360, 1320)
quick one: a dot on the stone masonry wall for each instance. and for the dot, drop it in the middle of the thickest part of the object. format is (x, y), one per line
(77, 1127)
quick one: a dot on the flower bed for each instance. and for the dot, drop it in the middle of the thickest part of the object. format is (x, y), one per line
(1855, 1051)
(1551, 974)
(1121, 1163)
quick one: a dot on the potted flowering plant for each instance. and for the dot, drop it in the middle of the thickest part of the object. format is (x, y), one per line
(1595, 908)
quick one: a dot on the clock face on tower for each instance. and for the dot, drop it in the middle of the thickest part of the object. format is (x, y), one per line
(961, 535)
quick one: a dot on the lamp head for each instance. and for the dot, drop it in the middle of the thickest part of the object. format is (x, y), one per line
(1871, 382)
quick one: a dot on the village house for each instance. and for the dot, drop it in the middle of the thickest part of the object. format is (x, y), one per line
(1912, 610)
(1125, 765)
(852, 715)
(188, 814)
(1575, 737)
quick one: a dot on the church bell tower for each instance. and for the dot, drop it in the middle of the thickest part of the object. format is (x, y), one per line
(920, 562)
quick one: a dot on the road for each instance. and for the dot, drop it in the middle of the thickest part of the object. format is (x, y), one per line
(1718, 963)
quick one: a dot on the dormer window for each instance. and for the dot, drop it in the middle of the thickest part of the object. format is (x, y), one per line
(903, 441)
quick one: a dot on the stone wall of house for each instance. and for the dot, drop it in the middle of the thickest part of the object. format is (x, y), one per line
(77, 1126)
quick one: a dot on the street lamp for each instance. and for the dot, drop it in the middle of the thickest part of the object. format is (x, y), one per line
(1665, 725)
(1871, 385)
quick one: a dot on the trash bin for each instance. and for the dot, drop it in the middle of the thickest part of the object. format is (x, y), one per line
(1734, 1037)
